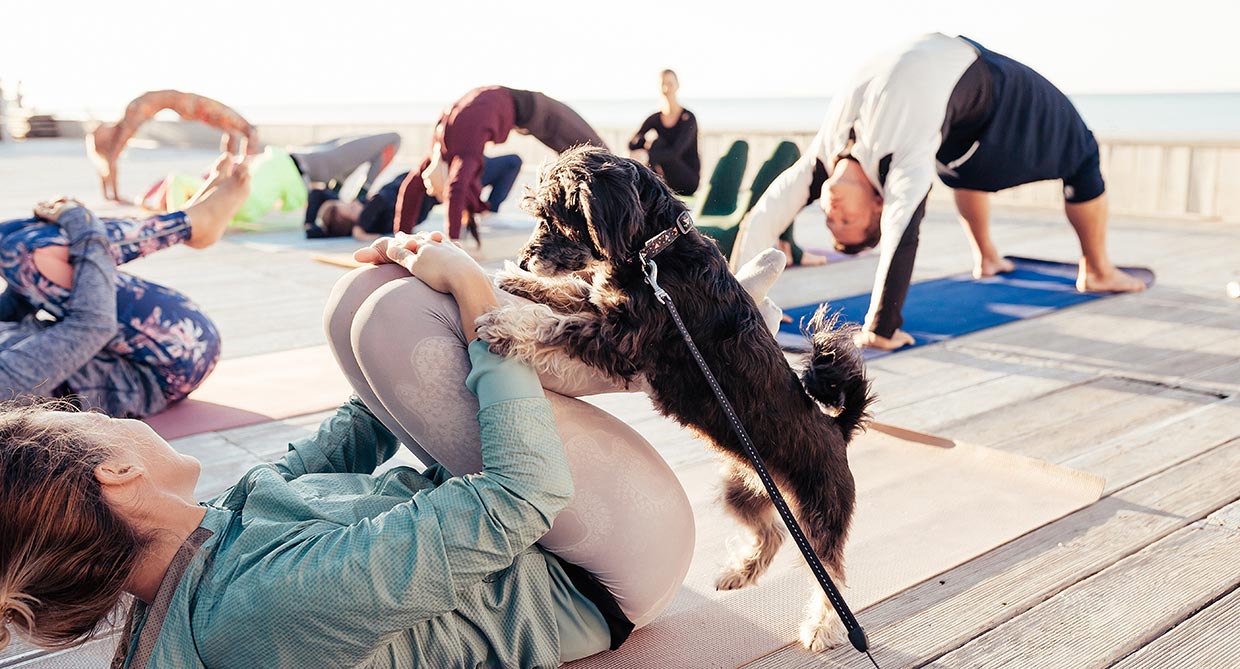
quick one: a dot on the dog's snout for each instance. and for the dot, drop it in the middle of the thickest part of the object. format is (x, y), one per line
(524, 263)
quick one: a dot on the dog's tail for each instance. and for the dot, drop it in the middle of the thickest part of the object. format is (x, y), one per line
(836, 372)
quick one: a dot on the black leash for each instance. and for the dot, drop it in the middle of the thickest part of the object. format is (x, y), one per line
(856, 635)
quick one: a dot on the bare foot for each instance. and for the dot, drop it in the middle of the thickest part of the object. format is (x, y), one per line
(1114, 280)
(219, 171)
(211, 214)
(992, 266)
(868, 339)
(812, 259)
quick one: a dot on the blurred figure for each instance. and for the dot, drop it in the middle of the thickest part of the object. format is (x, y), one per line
(452, 172)
(105, 143)
(365, 218)
(673, 149)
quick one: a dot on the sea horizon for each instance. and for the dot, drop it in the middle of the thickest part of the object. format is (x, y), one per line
(1184, 116)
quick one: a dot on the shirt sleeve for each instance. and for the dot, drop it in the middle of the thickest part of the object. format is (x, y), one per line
(413, 562)
(777, 208)
(42, 361)
(409, 199)
(351, 441)
(464, 189)
(904, 205)
(639, 138)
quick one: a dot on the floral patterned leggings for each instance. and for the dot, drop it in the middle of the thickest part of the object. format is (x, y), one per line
(158, 327)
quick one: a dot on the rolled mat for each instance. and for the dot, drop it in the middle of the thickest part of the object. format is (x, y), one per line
(924, 505)
(256, 389)
(940, 309)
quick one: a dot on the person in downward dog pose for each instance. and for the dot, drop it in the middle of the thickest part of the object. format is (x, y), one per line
(116, 342)
(948, 106)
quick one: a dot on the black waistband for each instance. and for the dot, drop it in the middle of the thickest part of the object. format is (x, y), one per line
(601, 597)
(522, 106)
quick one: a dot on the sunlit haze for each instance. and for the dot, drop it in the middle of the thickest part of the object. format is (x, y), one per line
(92, 57)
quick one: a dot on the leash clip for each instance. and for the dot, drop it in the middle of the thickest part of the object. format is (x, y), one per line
(652, 278)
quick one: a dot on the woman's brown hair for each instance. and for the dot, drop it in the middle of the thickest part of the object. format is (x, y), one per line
(65, 555)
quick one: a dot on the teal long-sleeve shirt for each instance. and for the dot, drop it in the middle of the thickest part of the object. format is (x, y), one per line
(315, 562)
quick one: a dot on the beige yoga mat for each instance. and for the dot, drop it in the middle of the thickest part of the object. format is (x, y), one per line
(256, 389)
(337, 259)
(925, 505)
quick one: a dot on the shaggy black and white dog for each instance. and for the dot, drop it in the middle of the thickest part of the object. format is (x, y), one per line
(595, 211)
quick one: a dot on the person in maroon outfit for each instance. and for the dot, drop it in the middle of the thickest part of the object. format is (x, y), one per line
(453, 170)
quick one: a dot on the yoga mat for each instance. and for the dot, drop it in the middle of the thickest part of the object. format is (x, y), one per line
(940, 309)
(925, 505)
(257, 389)
(337, 259)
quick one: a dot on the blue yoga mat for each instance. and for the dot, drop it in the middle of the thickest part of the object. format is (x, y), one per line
(956, 305)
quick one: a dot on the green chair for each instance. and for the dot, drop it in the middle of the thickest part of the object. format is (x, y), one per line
(723, 229)
(722, 192)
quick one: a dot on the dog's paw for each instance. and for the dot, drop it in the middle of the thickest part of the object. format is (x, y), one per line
(494, 327)
(514, 280)
(820, 633)
(736, 577)
(517, 330)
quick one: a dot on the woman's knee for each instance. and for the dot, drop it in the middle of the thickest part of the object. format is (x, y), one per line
(401, 313)
(347, 296)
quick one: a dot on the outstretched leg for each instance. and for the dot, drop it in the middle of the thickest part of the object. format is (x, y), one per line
(1097, 273)
(974, 208)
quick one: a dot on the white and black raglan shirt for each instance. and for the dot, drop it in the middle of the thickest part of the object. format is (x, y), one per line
(890, 121)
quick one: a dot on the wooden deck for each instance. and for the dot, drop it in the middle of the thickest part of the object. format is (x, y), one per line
(1142, 390)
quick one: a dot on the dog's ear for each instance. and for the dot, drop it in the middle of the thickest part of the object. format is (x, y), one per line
(612, 208)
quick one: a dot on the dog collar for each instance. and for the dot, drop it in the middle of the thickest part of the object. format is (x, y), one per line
(659, 243)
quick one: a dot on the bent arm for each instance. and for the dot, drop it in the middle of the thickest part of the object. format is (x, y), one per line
(639, 138)
(413, 562)
(44, 360)
(351, 441)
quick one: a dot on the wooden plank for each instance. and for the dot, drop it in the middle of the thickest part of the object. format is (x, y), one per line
(942, 614)
(1063, 424)
(943, 407)
(1129, 457)
(1208, 640)
(1106, 617)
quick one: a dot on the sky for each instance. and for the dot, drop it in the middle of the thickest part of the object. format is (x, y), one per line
(95, 56)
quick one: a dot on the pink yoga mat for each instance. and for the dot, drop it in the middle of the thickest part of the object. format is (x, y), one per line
(257, 389)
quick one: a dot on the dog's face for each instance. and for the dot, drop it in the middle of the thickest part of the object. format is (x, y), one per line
(594, 207)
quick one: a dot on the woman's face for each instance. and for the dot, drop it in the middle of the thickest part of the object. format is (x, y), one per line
(133, 441)
(669, 84)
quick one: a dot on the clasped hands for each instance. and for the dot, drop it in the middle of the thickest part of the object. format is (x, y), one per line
(439, 263)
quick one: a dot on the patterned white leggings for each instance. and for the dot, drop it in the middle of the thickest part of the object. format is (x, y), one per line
(402, 347)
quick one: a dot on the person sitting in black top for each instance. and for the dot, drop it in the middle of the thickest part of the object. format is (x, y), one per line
(673, 153)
